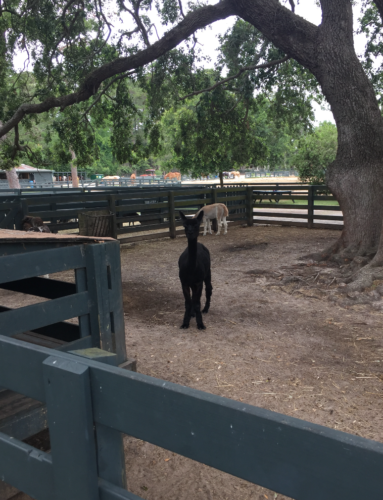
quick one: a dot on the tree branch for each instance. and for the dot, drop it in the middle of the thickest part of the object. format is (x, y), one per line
(379, 6)
(193, 21)
(121, 77)
(181, 9)
(136, 16)
(242, 70)
(128, 34)
(289, 32)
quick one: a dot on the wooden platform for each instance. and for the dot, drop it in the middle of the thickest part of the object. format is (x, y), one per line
(9, 235)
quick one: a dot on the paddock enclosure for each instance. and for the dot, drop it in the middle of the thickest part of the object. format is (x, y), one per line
(156, 209)
(262, 396)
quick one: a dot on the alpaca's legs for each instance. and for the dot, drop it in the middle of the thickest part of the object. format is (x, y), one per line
(205, 222)
(219, 224)
(225, 224)
(188, 306)
(209, 221)
(197, 292)
(209, 291)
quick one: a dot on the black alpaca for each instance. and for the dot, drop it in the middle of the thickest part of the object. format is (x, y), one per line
(194, 265)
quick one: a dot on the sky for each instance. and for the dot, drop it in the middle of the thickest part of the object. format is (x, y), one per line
(208, 38)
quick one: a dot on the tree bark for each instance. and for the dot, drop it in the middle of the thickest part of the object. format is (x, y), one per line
(221, 178)
(73, 170)
(13, 178)
(11, 175)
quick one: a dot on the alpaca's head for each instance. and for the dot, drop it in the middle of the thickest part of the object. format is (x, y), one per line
(191, 225)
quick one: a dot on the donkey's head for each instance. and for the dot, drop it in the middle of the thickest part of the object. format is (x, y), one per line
(192, 225)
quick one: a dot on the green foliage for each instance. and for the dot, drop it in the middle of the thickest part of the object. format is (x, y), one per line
(315, 152)
(141, 120)
(290, 88)
(248, 120)
(215, 135)
(371, 27)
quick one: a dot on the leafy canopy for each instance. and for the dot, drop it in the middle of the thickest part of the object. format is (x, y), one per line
(315, 152)
(65, 41)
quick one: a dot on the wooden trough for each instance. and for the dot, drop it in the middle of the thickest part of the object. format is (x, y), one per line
(94, 300)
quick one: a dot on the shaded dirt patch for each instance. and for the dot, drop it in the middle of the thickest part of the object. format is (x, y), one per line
(249, 246)
(279, 336)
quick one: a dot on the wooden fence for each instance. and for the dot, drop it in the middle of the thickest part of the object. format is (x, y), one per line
(88, 404)
(296, 458)
(157, 209)
(94, 299)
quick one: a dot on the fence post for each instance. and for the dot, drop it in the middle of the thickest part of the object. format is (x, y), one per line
(110, 448)
(172, 216)
(249, 205)
(70, 420)
(310, 207)
(105, 300)
(112, 209)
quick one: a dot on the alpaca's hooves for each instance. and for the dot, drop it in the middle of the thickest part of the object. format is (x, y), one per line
(201, 327)
(205, 311)
(184, 327)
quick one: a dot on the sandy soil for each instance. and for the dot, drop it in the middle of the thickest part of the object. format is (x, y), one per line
(279, 336)
(248, 180)
(273, 339)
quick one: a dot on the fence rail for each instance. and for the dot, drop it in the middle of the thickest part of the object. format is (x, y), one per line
(157, 209)
(296, 458)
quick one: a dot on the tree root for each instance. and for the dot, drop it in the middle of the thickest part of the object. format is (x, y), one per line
(358, 264)
(364, 278)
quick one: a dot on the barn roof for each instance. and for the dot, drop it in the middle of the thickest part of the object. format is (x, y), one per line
(28, 168)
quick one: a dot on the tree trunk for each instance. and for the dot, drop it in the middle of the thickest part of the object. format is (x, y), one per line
(73, 170)
(356, 176)
(11, 175)
(13, 178)
(221, 179)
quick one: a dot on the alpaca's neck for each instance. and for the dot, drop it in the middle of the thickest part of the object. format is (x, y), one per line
(192, 254)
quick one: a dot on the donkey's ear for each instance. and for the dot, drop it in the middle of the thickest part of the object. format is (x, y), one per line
(182, 215)
(200, 216)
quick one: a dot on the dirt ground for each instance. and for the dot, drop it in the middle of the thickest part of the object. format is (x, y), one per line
(279, 335)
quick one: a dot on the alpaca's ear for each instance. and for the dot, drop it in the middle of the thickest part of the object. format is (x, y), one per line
(182, 215)
(200, 216)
